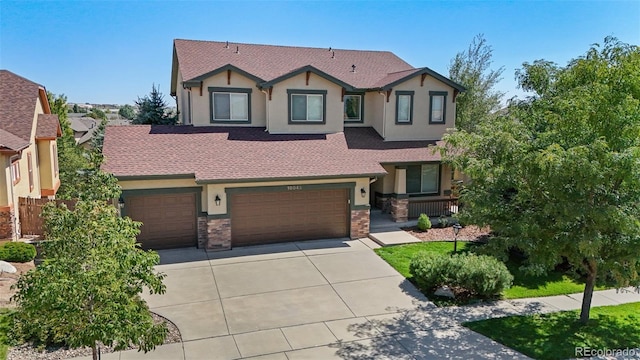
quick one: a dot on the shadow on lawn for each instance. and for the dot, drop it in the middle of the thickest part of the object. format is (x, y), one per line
(557, 335)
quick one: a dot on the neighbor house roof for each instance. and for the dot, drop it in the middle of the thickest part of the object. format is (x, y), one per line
(231, 154)
(18, 99)
(198, 60)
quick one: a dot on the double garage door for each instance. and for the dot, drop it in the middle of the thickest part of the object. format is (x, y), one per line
(258, 218)
(170, 220)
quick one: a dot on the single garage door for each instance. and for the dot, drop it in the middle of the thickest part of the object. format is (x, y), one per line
(258, 218)
(169, 220)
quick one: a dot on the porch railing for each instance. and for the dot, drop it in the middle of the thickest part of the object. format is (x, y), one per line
(440, 207)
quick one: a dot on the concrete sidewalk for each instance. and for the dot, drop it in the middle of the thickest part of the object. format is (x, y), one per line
(332, 299)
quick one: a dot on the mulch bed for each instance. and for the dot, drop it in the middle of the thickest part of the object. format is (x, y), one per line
(467, 233)
(28, 352)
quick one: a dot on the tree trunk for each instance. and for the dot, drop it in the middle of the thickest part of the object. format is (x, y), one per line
(94, 348)
(592, 271)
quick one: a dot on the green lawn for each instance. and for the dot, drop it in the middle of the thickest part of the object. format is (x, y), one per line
(524, 285)
(5, 328)
(556, 335)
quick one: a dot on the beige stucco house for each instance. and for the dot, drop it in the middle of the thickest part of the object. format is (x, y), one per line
(28, 153)
(284, 143)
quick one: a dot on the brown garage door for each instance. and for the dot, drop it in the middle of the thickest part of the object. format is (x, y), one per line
(169, 220)
(259, 218)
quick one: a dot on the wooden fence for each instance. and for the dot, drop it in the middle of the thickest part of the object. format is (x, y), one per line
(445, 207)
(31, 223)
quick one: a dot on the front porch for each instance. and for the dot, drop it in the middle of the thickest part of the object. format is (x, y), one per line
(410, 190)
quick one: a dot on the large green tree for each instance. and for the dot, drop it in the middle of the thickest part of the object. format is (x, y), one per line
(472, 69)
(127, 112)
(87, 291)
(558, 175)
(71, 157)
(153, 110)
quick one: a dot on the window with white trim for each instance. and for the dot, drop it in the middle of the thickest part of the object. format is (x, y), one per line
(15, 171)
(423, 179)
(230, 104)
(307, 106)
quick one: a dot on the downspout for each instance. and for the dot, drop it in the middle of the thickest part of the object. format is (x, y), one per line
(15, 207)
(384, 115)
(175, 97)
(266, 96)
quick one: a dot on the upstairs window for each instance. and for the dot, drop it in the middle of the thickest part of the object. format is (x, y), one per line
(423, 179)
(437, 107)
(15, 172)
(353, 107)
(404, 107)
(307, 106)
(230, 105)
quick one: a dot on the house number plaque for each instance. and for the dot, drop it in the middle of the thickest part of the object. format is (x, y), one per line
(294, 187)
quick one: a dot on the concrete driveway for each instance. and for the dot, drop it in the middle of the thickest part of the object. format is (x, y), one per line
(308, 300)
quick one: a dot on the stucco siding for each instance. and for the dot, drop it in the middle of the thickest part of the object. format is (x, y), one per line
(5, 180)
(164, 184)
(220, 190)
(419, 129)
(201, 105)
(279, 106)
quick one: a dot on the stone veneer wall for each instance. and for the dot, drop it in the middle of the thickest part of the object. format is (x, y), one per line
(399, 209)
(360, 220)
(218, 234)
(202, 232)
(6, 224)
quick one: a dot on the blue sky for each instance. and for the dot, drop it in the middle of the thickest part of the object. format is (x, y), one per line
(112, 51)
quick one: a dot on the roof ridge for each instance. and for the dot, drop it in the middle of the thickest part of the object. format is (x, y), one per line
(19, 76)
(286, 46)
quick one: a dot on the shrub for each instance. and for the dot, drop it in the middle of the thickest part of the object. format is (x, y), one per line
(17, 252)
(443, 222)
(424, 223)
(481, 275)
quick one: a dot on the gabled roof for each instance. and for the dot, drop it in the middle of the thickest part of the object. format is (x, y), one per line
(233, 154)
(269, 62)
(18, 99)
(10, 142)
(48, 127)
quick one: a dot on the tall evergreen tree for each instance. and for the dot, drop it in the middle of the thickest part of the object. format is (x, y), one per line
(152, 109)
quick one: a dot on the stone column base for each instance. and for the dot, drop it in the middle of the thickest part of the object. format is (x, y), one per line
(360, 220)
(399, 209)
(214, 234)
(7, 224)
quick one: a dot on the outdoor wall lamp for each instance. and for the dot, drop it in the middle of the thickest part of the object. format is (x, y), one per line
(218, 200)
(363, 192)
(121, 202)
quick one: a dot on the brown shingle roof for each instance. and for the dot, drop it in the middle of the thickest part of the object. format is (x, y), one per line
(268, 62)
(236, 154)
(48, 127)
(11, 142)
(18, 98)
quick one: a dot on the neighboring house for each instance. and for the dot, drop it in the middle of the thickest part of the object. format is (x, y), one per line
(286, 143)
(28, 153)
(83, 130)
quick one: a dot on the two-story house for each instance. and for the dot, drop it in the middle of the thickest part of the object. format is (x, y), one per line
(28, 153)
(283, 143)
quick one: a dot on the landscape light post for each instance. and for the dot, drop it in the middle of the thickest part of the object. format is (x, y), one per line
(456, 229)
